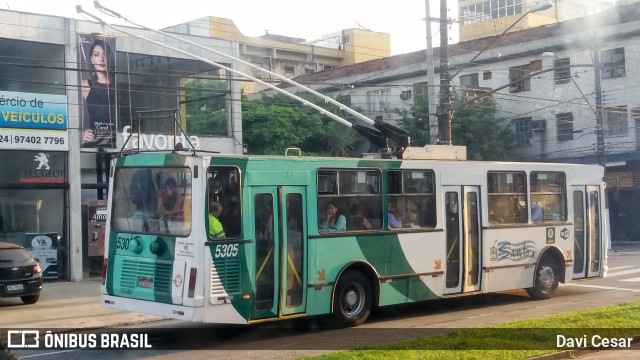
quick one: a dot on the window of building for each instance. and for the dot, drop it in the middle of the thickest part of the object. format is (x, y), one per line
(612, 62)
(328, 67)
(349, 200)
(157, 82)
(523, 131)
(507, 197)
(309, 71)
(548, 197)
(289, 72)
(469, 81)
(32, 67)
(420, 90)
(488, 10)
(562, 74)
(564, 126)
(486, 75)
(519, 78)
(411, 199)
(616, 120)
(378, 100)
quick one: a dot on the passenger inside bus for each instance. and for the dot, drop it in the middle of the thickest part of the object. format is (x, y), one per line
(357, 218)
(394, 222)
(333, 219)
(536, 213)
(231, 218)
(410, 220)
(215, 227)
(522, 212)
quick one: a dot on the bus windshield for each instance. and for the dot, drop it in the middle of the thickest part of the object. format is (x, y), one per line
(152, 201)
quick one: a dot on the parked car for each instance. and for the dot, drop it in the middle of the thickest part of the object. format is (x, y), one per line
(20, 274)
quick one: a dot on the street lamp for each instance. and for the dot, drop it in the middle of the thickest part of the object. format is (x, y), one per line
(444, 108)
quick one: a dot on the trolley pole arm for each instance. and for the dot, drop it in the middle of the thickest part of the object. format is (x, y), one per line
(303, 101)
(116, 14)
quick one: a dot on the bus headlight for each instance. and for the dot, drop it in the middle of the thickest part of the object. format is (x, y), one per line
(158, 247)
(136, 245)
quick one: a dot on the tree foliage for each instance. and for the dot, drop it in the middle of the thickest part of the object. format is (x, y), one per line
(206, 107)
(476, 126)
(416, 121)
(273, 123)
(473, 125)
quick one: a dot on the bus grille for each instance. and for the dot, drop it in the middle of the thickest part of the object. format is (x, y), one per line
(160, 272)
(227, 272)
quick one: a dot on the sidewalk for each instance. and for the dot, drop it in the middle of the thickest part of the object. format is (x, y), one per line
(66, 305)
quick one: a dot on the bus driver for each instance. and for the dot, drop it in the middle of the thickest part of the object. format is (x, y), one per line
(215, 227)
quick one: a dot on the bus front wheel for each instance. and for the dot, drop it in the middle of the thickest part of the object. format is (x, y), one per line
(352, 300)
(546, 280)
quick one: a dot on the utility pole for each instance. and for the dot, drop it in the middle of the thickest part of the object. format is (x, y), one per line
(431, 79)
(600, 153)
(444, 106)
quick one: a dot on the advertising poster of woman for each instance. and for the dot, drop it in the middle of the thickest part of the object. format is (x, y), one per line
(98, 85)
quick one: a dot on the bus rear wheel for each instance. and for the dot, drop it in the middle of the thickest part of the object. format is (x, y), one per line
(352, 300)
(546, 280)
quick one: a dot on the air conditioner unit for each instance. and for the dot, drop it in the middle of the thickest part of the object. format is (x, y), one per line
(538, 125)
(405, 95)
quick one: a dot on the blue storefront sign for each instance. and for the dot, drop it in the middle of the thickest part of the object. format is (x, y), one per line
(33, 111)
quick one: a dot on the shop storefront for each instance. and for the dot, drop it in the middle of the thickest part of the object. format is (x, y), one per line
(33, 209)
(62, 121)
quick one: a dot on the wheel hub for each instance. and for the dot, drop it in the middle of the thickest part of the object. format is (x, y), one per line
(547, 278)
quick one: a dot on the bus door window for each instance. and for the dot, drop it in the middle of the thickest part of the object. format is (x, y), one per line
(295, 250)
(594, 231)
(452, 222)
(265, 247)
(473, 237)
(578, 232)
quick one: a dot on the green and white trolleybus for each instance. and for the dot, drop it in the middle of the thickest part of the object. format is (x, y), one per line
(308, 236)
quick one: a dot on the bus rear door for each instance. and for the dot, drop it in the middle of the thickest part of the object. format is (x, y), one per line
(588, 244)
(280, 259)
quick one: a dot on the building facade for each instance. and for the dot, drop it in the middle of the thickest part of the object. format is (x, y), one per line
(544, 82)
(480, 18)
(61, 124)
(289, 56)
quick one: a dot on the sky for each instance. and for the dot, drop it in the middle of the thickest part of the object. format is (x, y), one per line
(402, 19)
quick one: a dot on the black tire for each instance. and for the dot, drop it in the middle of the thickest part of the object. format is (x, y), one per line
(353, 299)
(5, 352)
(546, 279)
(30, 299)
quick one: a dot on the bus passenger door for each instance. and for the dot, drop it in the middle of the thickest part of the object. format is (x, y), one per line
(462, 267)
(587, 243)
(267, 254)
(280, 254)
(293, 259)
